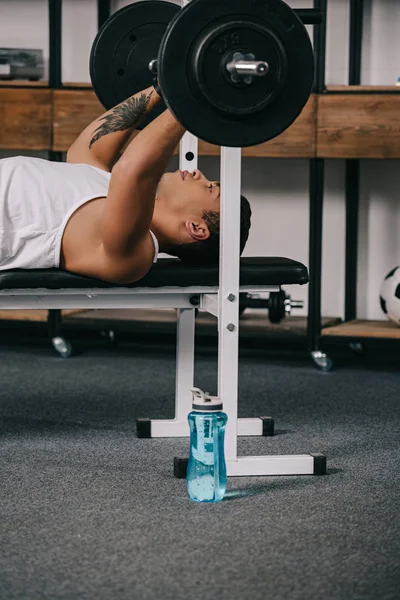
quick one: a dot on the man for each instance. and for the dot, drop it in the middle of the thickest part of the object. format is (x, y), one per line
(105, 214)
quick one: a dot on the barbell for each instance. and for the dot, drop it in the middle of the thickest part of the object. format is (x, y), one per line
(233, 72)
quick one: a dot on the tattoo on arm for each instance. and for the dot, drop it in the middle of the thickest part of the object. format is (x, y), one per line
(123, 117)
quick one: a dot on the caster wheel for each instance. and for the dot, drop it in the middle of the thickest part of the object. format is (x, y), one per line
(322, 360)
(357, 348)
(62, 347)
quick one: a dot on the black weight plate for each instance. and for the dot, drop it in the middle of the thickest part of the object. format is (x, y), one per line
(210, 59)
(189, 103)
(123, 48)
(276, 306)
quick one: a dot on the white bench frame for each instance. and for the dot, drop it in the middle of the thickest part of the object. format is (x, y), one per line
(221, 301)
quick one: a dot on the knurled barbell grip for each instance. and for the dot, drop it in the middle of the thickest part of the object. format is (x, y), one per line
(248, 67)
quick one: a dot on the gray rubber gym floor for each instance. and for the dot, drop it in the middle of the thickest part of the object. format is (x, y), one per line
(89, 511)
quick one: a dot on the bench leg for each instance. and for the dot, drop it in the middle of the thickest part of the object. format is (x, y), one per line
(179, 427)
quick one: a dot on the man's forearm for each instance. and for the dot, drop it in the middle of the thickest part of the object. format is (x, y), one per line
(131, 195)
(147, 155)
(105, 137)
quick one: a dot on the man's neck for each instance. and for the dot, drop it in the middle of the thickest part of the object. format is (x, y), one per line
(157, 228)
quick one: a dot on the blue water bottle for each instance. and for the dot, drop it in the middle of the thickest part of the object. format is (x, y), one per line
(206, 472)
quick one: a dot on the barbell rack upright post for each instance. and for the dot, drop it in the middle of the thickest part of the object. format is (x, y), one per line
(185, 326)
(228, 311)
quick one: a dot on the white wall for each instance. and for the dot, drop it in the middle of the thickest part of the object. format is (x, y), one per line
(278, 189)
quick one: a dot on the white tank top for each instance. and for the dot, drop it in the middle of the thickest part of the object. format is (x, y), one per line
(37, 199)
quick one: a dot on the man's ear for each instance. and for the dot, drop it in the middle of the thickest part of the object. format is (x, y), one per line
(198, 230)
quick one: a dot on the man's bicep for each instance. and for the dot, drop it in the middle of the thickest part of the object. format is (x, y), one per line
(128, 267)
(128, 212)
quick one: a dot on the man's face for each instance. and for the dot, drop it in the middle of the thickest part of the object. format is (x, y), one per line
(189, 192)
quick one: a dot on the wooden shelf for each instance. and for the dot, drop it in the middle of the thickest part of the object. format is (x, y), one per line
(38, 316)
(75, 109)
(358, 126)
(23, 83)
(362, 88)
(252, 323)
(364, 329)
(26, 118)
(35, 117)
(26, 83)
(79, 84)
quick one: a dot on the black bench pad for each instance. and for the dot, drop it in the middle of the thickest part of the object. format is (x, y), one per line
(165, 273)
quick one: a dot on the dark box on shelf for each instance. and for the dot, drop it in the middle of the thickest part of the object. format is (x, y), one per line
(21, 63)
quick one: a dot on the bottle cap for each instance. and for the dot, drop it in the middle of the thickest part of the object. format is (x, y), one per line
(203, 402)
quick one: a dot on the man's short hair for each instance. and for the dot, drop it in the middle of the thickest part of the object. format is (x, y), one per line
(207, 251)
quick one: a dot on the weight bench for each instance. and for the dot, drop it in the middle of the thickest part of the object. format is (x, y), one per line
(172, 284)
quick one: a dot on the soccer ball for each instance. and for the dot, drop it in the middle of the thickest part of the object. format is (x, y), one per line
(390, 295)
